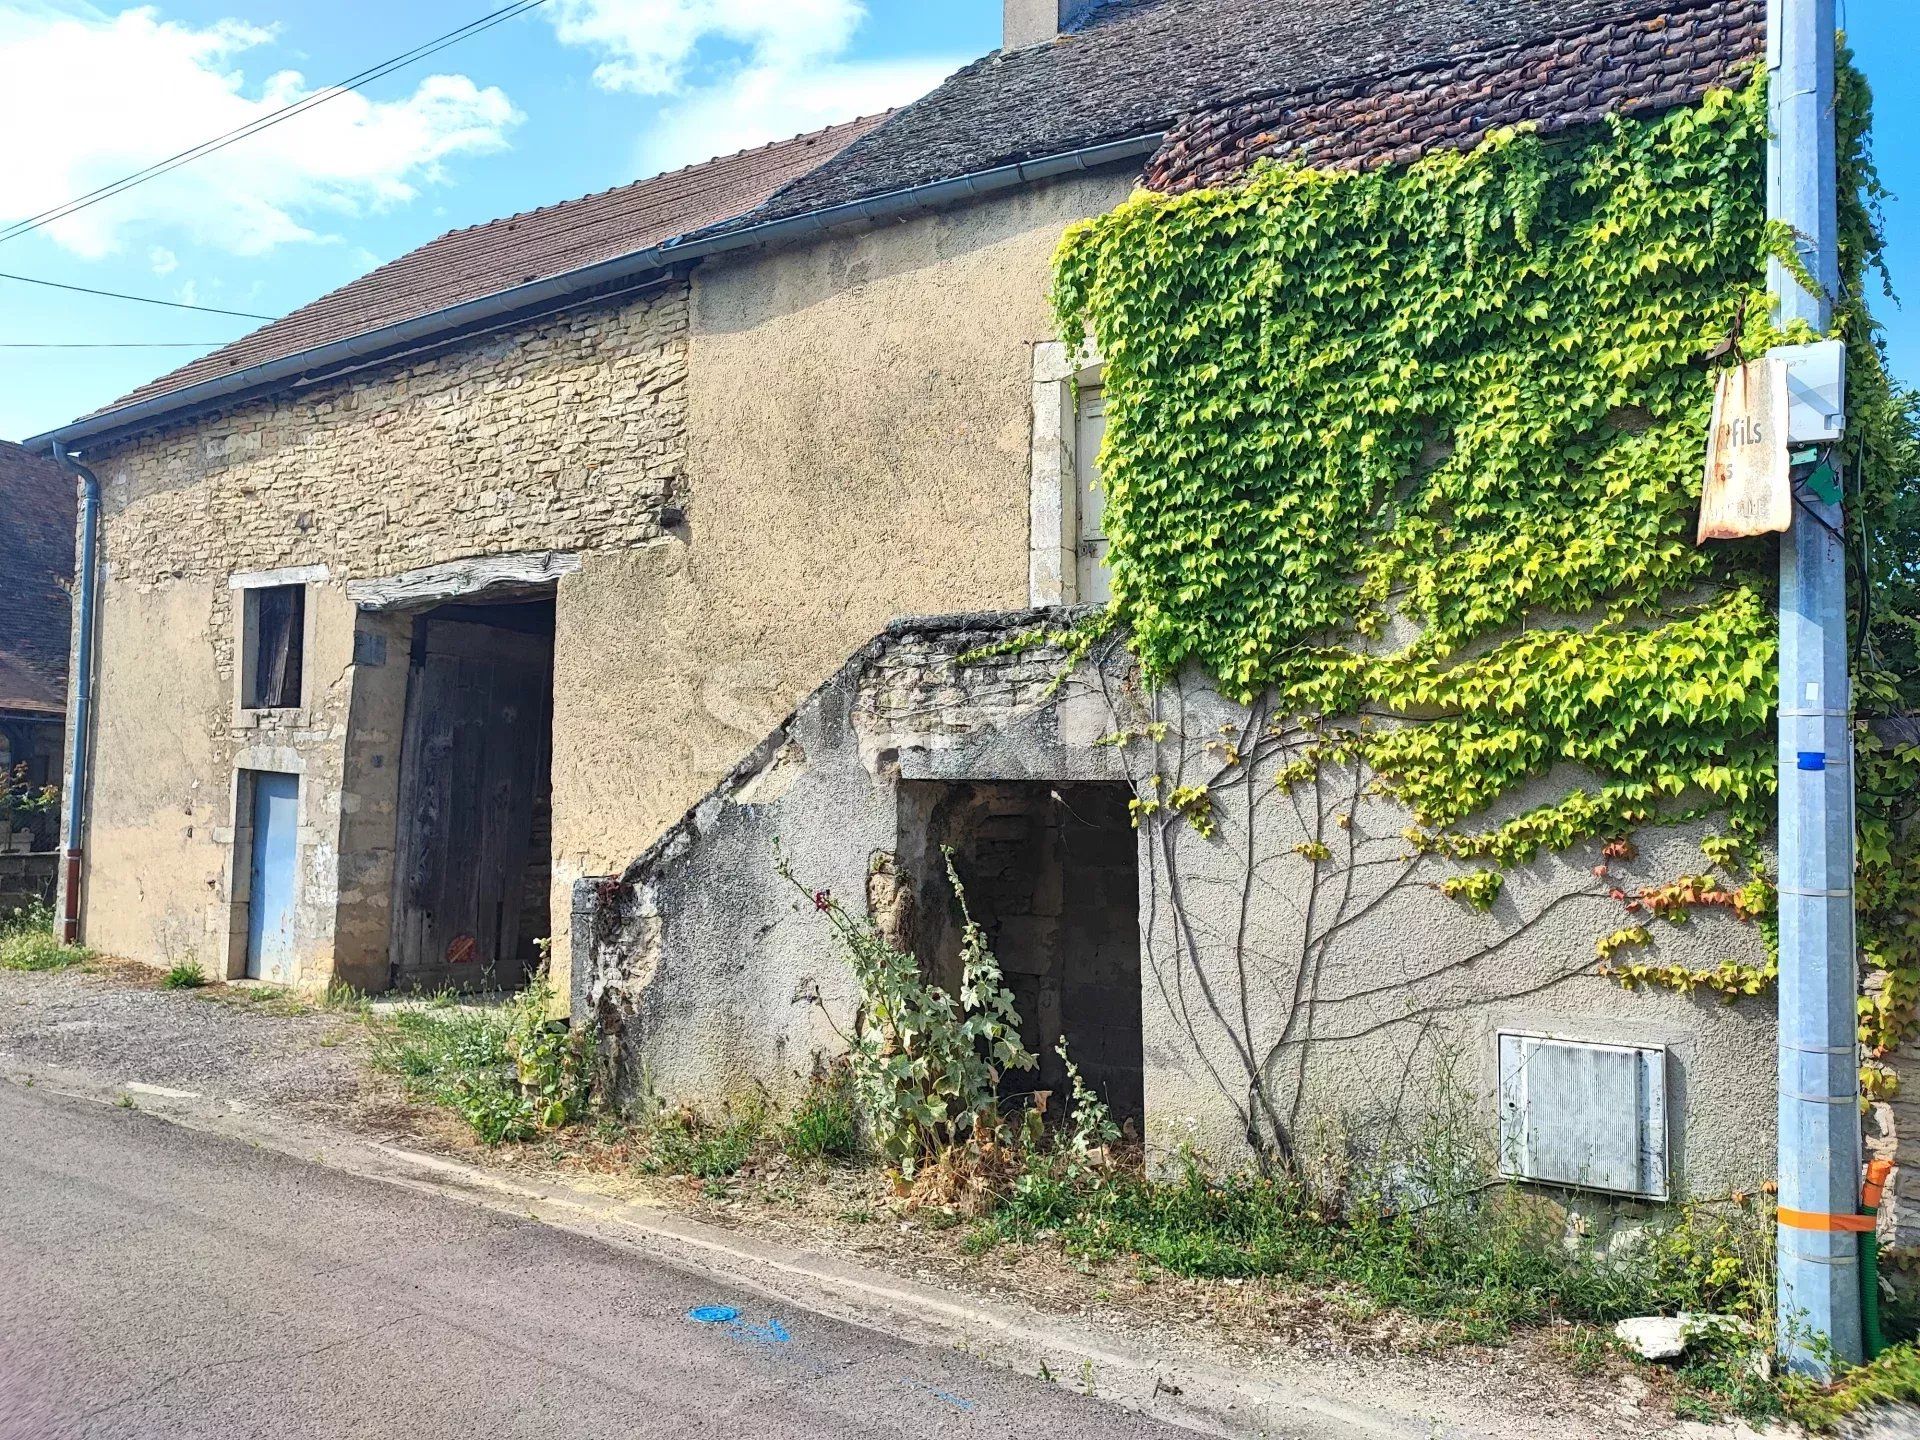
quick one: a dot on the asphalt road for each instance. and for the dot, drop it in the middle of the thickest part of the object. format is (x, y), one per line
(159, 1282)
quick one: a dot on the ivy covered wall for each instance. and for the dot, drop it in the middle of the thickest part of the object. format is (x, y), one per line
(1411, 457)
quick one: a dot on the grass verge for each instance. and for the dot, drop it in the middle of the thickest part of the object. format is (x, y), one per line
(1484, 1260)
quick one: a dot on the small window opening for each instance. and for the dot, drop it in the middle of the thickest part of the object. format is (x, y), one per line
(276, 624)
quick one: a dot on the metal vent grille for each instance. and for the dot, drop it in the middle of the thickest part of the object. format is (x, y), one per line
(1586, 1115)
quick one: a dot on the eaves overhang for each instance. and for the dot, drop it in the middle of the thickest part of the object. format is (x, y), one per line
(527, 301)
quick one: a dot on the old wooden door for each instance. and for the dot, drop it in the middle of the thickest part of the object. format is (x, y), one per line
(474, 748)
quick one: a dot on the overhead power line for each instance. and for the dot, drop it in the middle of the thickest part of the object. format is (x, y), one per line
(142, 299)
(267, 121)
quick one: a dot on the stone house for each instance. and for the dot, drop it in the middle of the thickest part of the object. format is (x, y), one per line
(425, 609)
(36, 569)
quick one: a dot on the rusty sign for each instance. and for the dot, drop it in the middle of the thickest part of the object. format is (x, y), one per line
(1749, 484)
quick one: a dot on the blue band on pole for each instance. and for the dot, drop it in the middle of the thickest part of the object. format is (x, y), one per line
(1813, 760)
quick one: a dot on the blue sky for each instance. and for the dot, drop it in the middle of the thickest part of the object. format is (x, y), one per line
(575, 97)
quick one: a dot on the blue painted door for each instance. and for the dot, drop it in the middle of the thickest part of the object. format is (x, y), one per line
(276, 814)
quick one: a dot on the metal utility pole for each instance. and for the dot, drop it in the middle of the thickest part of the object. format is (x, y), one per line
(1819, 1294)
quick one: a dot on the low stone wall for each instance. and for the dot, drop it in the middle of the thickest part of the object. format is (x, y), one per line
(1302, 975)
(27, 879)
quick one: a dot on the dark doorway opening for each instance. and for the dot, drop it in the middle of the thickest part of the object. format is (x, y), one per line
(472, 853)
(1052, 876)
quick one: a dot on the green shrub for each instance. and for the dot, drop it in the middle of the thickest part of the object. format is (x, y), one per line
(510, 1072)
(686, 1143)
(28, 941)
(826, 1124)
(186, 975)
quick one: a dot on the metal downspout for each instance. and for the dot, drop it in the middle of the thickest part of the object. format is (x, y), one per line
(80, 691)
(1819, 1314)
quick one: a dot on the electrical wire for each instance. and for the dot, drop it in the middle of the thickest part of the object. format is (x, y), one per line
(142, 299)
(267, 121)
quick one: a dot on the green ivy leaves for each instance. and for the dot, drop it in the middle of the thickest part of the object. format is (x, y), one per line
(1424, 444)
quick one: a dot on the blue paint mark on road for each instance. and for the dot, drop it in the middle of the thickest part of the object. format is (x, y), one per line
(951, 1399)
(771, 1333)
(763, 1337)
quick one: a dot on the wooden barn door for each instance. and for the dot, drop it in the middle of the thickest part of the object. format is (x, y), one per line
(473, 754)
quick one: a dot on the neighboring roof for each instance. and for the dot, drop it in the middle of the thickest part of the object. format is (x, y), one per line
(36, 564)
(1134, 67)
(1626, 66)
(25, 691)
(485, 259)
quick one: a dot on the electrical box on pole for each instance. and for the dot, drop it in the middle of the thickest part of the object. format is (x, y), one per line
(1816, 380)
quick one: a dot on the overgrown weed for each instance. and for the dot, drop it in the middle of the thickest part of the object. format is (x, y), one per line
(685, 1142)
(825, 1125)
(508, 1070)
(28, 941)
(1428, 1228)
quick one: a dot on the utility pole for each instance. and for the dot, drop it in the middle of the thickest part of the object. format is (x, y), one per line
(1819, 1235)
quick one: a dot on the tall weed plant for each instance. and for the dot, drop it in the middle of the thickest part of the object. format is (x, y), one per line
(925, 1064)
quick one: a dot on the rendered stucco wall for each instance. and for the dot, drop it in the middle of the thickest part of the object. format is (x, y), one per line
(858, 447)
(755, 474)
(1356, 993)
(562, 436)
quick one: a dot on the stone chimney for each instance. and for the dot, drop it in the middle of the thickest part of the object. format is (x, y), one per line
(1035, 22)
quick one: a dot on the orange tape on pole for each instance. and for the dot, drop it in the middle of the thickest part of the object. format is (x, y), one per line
(1813, 1220)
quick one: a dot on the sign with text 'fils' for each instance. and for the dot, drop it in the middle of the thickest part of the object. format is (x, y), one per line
(1749, 489)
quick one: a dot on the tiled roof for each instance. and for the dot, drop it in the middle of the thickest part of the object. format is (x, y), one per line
(483, 260)
(1135, 67)
(1333, 81)
(36, 563)
(1628, 65)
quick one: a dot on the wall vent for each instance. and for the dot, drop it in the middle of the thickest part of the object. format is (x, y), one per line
(1586, 1115)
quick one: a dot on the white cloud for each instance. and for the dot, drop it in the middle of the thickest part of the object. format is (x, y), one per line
(738, 73)
(762, 103)
(650, 44)
(163, 260)
(103, 96)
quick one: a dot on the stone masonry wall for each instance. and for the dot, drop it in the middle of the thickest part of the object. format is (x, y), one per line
(564, 435)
